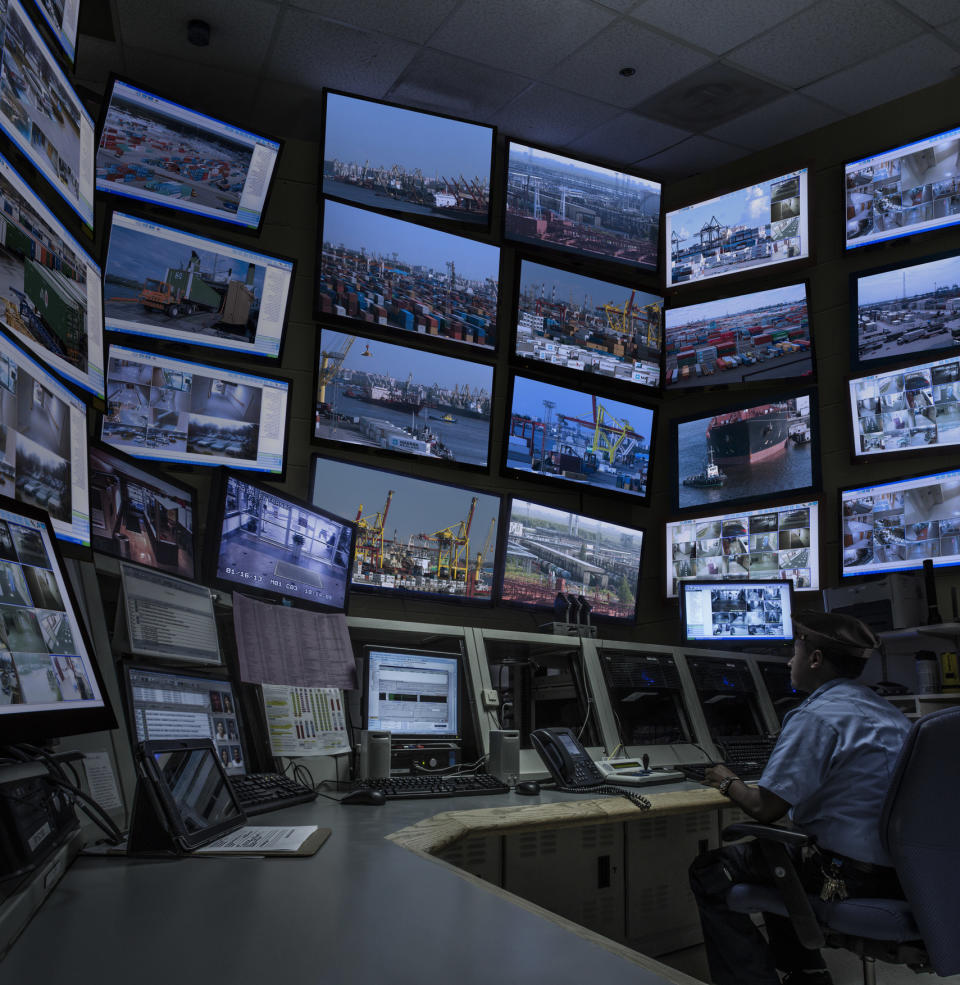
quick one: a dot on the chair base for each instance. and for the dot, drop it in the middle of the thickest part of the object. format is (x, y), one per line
(910, 953)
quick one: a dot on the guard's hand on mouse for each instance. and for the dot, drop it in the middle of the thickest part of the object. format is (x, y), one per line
(716, 774)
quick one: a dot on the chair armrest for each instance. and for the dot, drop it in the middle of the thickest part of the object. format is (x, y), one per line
(766, 832)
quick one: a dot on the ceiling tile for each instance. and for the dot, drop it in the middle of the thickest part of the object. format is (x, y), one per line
(96, 59)
(627, 137)
(780, 120)
(546, 115)
(935, 12)
(824, 38)
(621, 6)
(412, 20)
(951, 31)
(691, 156)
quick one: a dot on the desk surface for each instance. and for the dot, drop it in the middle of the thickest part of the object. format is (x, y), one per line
(364, 910)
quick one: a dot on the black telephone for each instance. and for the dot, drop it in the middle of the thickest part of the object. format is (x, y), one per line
(569, 763)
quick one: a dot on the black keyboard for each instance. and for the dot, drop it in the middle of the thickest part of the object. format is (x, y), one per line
(427, 785)
(262, 792)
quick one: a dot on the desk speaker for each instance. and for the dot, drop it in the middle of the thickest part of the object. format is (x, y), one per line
(505, 754)
(374, 754)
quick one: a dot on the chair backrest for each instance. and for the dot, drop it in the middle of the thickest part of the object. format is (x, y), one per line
(920, 828)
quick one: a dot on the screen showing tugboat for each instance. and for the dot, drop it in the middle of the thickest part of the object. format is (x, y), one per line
(762, 449)
(399, 399)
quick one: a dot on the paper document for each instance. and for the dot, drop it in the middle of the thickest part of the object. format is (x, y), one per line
(256, 840)
(305, 721)
(101, 781)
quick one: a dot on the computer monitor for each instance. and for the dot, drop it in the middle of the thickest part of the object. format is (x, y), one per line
(168, 284)
(728, 697)
(776, 678)
(50, 685)
(171, 410)
(63, 19)
(162, 153)
(741, 611)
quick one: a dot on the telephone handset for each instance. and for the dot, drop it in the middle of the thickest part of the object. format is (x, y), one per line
(569, 763)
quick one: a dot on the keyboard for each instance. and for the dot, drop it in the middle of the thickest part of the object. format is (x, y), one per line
(408, 787)
(262, 792)
(745, 755)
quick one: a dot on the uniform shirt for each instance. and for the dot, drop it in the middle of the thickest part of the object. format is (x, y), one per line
(833, 763)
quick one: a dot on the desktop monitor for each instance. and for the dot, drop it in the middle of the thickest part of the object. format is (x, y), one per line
(162, 153)
(405, 160)
(171, 410)
(744, 231)
(728, 697)
(399, 399)
(584, 326)
(168, 284)
(62, 17)
(264, 542)
(776, 678)
(50, 685)
(574, 206)
(741, 611)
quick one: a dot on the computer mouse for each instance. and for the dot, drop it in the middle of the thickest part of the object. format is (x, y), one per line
(364, 797)
(529, 788)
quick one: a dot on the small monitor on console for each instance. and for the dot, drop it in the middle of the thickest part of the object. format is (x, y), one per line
(745, 611)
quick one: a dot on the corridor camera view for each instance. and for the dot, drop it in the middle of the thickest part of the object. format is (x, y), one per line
(395, 274)
(42, 114)
(759, 336)
(579, 437)
(49, 286)
(550, 551)
(413, 536)
(399, 399)
(582, 208)
(780, 542)
(758, 226)
(394, 158)
(910, 189)
(592, 326)
(167, 284)
(163, 153)
(896, 526)
(737, 612)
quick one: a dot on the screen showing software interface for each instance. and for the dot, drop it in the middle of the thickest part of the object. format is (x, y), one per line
(412, 694)
(735, 611)
(63, 18)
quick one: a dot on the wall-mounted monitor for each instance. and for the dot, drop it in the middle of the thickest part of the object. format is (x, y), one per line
(897, 525)
(746, 338)
(586, 325)
(762, 448)
(577, 436)
(577, 207)
(774, 542)
(404, 160)
(397, 276)
(168, 284)
(162, 153)
(171, 410)
(43, 444)
(399, 399)
(414, 537)
(50, 286)
(42, 114)
(909, 189)
(550, 551)
(741, 611)
(62, 17)
(744, 231)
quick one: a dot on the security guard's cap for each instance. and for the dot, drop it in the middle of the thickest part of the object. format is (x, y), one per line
(836, 633)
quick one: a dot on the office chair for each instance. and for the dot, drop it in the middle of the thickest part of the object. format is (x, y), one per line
(920, 828)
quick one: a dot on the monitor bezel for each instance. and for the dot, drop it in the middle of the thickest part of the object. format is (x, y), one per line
(51, 34)
(688, 640)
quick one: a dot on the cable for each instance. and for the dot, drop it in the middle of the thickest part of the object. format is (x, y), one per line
(609, 789)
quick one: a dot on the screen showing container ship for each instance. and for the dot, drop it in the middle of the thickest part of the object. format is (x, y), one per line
(741, 339)
(414, 537)
(577, 207)
(403, 160)
(588, 325)
(761, 449)
(398, 276)
(550, 551)
(405, 400)
(775, 542)
(749, 229)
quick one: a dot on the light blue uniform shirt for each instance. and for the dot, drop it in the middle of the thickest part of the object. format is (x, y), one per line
(833, 763)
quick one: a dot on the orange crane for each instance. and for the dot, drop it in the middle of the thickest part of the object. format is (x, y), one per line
(370, 536)
(453, 547)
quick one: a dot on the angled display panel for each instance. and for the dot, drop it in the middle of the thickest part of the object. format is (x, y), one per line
(398, 276)
(587, 325)
(737, 611)
(741, 339)
(62, 17)
(166, 154)
(404, 400)
(577, 207)
(171, 410)
(414, 537)
(389, 157)
(167, 284)
(43, 116)
(750, 229)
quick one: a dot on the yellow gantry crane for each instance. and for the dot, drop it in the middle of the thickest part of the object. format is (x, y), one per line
(609, 432)
(330, 363)
(453, 547)
(370, 535)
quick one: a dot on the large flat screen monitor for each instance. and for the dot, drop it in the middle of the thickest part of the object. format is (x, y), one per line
(43, 115)
(63, 18)
(577, 436)
(761, 544)
(168, 284)
(577, 207)
(404, 160)
(741, 611)
(400, 277)
(590, 326)
(399, 399)
(747, 230)
(414, 537)
(171, 410)
(742, 339)
(162, 153)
